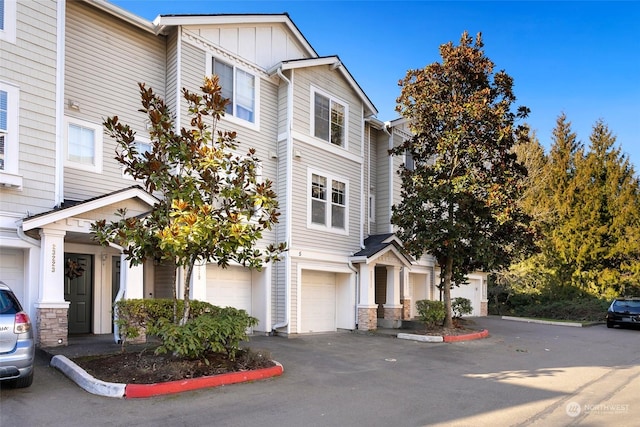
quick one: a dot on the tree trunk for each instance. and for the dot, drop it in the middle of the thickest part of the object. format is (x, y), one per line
(187, 287)
(448, 273)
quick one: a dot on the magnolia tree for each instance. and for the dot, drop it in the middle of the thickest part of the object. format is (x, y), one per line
(459, 199)
(213, 206)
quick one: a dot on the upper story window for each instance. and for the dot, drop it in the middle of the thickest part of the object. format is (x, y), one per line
(83, 145)
(9, 96)
(8, 20)
(328, 202)
(142, 146)
(329, 119)
(239, 87)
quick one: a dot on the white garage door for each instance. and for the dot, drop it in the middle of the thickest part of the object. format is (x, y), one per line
(229, 287)
(470, 291)
(318, 302)
(12, 272)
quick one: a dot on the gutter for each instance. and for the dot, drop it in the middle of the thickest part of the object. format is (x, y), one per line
(288, 213)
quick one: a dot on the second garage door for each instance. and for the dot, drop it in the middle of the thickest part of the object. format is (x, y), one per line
(318, 298)
(229, 287)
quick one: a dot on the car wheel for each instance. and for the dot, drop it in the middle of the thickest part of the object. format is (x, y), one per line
(24, 382)
(609, 324)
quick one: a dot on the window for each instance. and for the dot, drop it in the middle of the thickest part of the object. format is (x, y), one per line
(9, 97)
(8, 20)
(83, 145)
(142, 146)
(329, 119)
(328, 202)
(239, 87)
(409, 164)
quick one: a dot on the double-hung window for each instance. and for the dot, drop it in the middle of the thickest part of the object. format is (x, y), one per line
(141, 146)
(328, 202)
(329, 119)
(9, 167)
(239, 87)
(8, 20)
(83, 145)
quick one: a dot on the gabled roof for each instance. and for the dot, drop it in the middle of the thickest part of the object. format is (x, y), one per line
(335, 62)
(377, 245)
(68, 210)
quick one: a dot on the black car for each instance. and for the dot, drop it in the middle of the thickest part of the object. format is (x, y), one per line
(624, 311)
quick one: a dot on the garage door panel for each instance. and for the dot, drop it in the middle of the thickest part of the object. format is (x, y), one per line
(229, 287)
(318, 302)
(12, 271)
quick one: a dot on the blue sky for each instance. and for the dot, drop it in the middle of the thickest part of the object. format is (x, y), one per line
(580, 58)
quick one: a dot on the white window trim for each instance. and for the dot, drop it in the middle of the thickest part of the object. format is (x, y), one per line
(138, 139)
(9, 32)
(312, 119)
(97, 141)
(255, 125)
(9, 176)
(328, 227)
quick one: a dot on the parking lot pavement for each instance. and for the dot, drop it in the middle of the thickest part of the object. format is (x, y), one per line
(522, 374)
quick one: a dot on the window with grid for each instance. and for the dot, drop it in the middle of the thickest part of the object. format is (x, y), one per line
(239, 87)
(329, 119)
(8, 20)
(4, 111)
(328, 202)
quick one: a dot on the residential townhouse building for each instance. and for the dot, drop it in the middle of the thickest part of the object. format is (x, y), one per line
(67, 65)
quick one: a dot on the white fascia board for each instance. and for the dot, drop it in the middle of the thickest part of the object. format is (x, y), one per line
(42, 220)
(123, 14)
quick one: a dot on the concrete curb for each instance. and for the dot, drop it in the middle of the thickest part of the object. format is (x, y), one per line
(544, 322)
(106, 389)
(447, 338)
(86, 381)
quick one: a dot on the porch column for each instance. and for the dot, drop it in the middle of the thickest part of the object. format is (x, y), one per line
(133, 279)
(393, 308)
(367, 308)
(199, 282)
(406, 294)
(52, 325)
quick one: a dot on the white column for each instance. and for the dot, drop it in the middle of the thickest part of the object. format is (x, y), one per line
(134, 280)
(393, 287)
(51, 274)
(199, 282)
(367, 286)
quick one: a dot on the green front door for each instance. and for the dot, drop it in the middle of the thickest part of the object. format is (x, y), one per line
(78, 287)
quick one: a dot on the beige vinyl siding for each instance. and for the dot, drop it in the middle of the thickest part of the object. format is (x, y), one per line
(331, 82)
(397, 179)
(383, 201)
(324, 162)
(30, 64)
(370, 174)
(172, 70)
(105, 61)
(262, 44)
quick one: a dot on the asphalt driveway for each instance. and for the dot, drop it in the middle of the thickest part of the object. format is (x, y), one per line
(523, 374)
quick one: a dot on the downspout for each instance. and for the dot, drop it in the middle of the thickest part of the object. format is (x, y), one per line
(58, 184)
(288, 213)
(24, 237)
(355, 306)
(124, 266)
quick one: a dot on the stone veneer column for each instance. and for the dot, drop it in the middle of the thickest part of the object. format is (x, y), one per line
(484, 308)
(52, 324)
(393, 308)
(406, 308)
(367, 308)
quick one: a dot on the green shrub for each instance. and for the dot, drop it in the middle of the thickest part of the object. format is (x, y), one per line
(209, 328)
(461, 306)
(221, 332)
(432, 313)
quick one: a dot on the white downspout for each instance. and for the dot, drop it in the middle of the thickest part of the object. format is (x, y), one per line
(288, 213)
(58, 184)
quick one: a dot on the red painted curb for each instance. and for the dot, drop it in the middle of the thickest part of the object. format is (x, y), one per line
(468, 337)
(149, 390)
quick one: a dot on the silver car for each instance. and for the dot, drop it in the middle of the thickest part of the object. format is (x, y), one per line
(17, 346)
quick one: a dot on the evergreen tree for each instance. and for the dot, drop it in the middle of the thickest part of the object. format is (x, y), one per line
(459, 200)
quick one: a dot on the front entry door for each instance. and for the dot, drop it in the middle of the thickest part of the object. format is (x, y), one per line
(78, 287)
